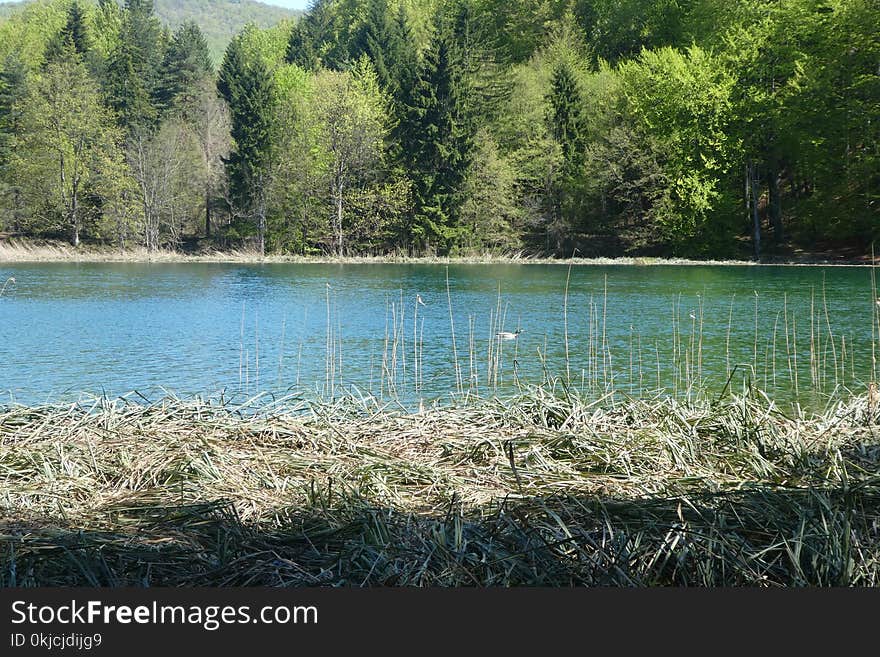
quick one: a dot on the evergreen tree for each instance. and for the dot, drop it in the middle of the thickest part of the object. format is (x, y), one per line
(566, 123)
(74, 36)
(375, 41)
(401, 56)
(438, 149)
(132, 80)
(402, 63)
(126, 92)
(566, 120)
(309, 36)
(75, 29)
(484, 85)
(246, 85)
(187, 62)
(13, 91)
(143, 33)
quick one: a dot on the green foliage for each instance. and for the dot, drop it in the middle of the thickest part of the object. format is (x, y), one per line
(187, 62)
(312, 38)
(597, 126)
(248, 88)
(490, 215)
(27, 32)
(74, 35)
(12, 93)
(521, 26)
(620, 29)
(126, 92)
(376, 40)
(351, 115)
(437, 149)
(219, 20)
(69, 147)
(565, 116)
(107, 25)
(681, 102)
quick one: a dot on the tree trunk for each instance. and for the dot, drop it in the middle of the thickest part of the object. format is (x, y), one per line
(74, 215)
(261, 220)
(17, 210)
(752, 199)
(775, 204)
(208, 211)
(261, 230)
(339, 189)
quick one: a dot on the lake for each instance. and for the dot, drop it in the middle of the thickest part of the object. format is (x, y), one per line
(69, 329)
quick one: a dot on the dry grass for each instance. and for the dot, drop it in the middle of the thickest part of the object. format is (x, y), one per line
(541, 490)
(52, 251)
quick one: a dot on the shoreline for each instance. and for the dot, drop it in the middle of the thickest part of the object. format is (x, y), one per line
(19, 253)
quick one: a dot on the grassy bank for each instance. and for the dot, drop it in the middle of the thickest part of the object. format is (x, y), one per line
(541, 490)
(27, 251)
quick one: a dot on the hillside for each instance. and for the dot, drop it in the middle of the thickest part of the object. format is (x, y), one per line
(219, 19)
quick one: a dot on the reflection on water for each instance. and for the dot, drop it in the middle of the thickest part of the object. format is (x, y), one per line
(205, 328)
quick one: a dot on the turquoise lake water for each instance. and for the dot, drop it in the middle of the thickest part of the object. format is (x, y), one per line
(69, 330)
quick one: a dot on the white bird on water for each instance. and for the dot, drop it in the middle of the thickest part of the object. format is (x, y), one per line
(506, 335)
(419, 300)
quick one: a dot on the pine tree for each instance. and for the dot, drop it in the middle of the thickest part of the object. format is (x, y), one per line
(566, 123)
(300, 49)
(75, 29)
(12, 93)
(565, 118)
(309, 36)
(132, 79)
(187, 62)
(437, 146)
(126, 92)
(74, 36)
(373, 39)
(246, 85)
(143, 33)
(402, 65)
(484, 85)
(13, 90)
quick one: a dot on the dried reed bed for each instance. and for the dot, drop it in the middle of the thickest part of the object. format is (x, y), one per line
(21, 250)
(541, 490)
(53, 251)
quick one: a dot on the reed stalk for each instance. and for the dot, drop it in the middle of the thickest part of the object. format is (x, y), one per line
(545, 489)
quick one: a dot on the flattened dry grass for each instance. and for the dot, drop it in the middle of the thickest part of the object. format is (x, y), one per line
(29, 250)
(541, 490)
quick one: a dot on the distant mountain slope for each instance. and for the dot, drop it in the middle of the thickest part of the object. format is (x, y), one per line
(220, 20)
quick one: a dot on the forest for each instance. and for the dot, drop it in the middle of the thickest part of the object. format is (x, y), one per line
(699, 128)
